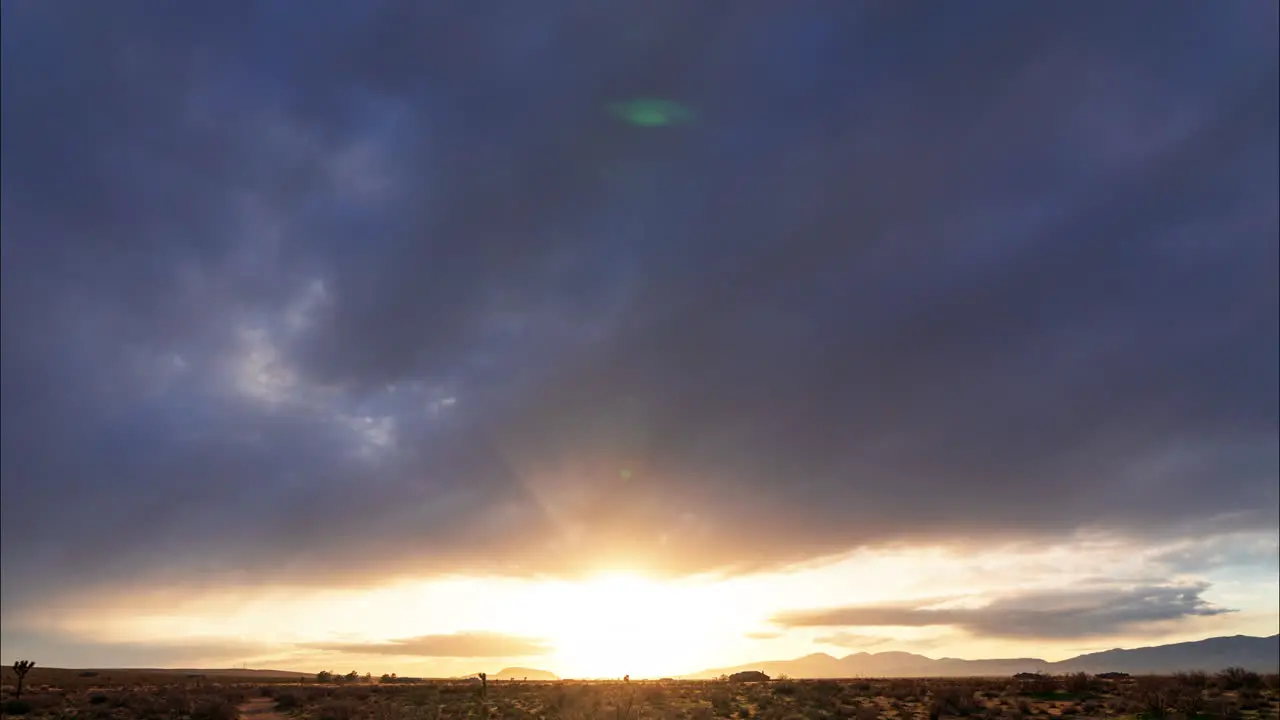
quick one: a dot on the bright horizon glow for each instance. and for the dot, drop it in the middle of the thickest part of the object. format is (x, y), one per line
(621, 623)
(625, 622)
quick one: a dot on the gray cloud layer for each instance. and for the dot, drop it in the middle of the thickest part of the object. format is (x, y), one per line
(1048, 614)
(314, 297)
(457, 645)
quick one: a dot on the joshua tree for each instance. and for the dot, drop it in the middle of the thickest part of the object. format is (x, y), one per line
(21, 668)
(484, 684)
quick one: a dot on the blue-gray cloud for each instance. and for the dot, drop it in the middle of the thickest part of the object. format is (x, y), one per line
(1258, 553)
(384, 287)
(1041, 614)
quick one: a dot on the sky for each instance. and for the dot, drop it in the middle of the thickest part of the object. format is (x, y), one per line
(373, 337)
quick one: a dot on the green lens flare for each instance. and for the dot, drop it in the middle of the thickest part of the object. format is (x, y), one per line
(651, 113)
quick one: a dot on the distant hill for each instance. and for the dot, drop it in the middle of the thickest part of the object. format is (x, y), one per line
(1213, 654)
(885, 664)
(240, 673)
(519, 673)
(1253, 653)
(57, 674)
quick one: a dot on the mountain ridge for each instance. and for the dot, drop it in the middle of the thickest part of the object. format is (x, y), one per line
(524, 673)
(1260, 654)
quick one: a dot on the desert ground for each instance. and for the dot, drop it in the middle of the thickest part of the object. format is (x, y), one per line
(129, 695)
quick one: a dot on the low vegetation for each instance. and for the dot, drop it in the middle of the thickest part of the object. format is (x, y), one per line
(1233, 694)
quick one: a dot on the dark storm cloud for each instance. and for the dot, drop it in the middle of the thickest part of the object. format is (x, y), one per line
(457, 645)
(383, 287)
(1045, 614)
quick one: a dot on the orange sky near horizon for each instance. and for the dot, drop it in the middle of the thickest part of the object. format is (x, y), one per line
(626, 623)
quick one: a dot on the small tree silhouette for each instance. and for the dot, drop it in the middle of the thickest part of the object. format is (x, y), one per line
(484, 684)
(21, 668)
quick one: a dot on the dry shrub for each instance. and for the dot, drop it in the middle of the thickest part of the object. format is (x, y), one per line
(1154, 696)
(824, 689)
(1078, 683)
(908, 690)
(1189, 701)
(867, 712)
(1223, 708)
(1236, 678)
(145, 706)
(1196, 680)
(337, 710)
(214, 708)
(654, 695)
(16, 707)
(1250, 699)
(954, 700)
(1041, 686)
(785, 687)
(1157, 697)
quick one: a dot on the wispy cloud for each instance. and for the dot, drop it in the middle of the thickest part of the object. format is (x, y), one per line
(456, 645)
(853, 641)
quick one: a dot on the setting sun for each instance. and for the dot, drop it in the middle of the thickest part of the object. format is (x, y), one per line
(619, 624)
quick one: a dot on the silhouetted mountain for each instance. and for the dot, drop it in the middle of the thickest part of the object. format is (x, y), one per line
(1213, 654)
(230, 673)
(1254, 653)
(519, 673)
(244, 673)
(885, 664)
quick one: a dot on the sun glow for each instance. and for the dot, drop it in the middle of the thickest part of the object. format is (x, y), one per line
(606, 626)
(625, 624)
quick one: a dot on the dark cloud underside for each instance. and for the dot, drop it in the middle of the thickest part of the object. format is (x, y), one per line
(385, 287)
